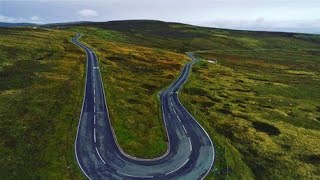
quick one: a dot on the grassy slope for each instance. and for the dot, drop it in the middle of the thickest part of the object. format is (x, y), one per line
(267, 109)
(238, 117)
(137, 61)
(41, 84)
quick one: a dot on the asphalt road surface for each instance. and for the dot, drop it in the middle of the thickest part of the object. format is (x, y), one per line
(190, 153)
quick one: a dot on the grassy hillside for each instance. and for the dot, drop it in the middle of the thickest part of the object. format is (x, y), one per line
(41, 87)
(259, 103)
(181, 38)
(260, 107)
(263, 105)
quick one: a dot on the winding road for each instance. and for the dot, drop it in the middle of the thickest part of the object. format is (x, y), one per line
(190, 153)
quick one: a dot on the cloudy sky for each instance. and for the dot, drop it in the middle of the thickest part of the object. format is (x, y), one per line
(274, 15)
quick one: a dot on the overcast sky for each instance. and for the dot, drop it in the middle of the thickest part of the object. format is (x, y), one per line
(276, 15)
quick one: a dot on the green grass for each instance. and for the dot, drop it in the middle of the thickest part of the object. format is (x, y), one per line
(41, 84)
(262, 105)
(109, 35)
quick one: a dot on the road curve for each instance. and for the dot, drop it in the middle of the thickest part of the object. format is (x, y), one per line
(190, 152)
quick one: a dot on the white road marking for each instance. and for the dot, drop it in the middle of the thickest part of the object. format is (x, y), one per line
(174, 111)
(94, 95)
(94, 119)
(94, 135)
(133, 175)
(190, 144)
(179, 119)
(178, 167)
(100, 156)
(171, 103)
(184, 129)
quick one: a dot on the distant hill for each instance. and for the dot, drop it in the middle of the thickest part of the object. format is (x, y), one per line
(64, 24)
(180, 37)
(142, 24)
(4, 24)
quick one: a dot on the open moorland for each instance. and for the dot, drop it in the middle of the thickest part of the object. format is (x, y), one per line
(260, 107)
(257, 98)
